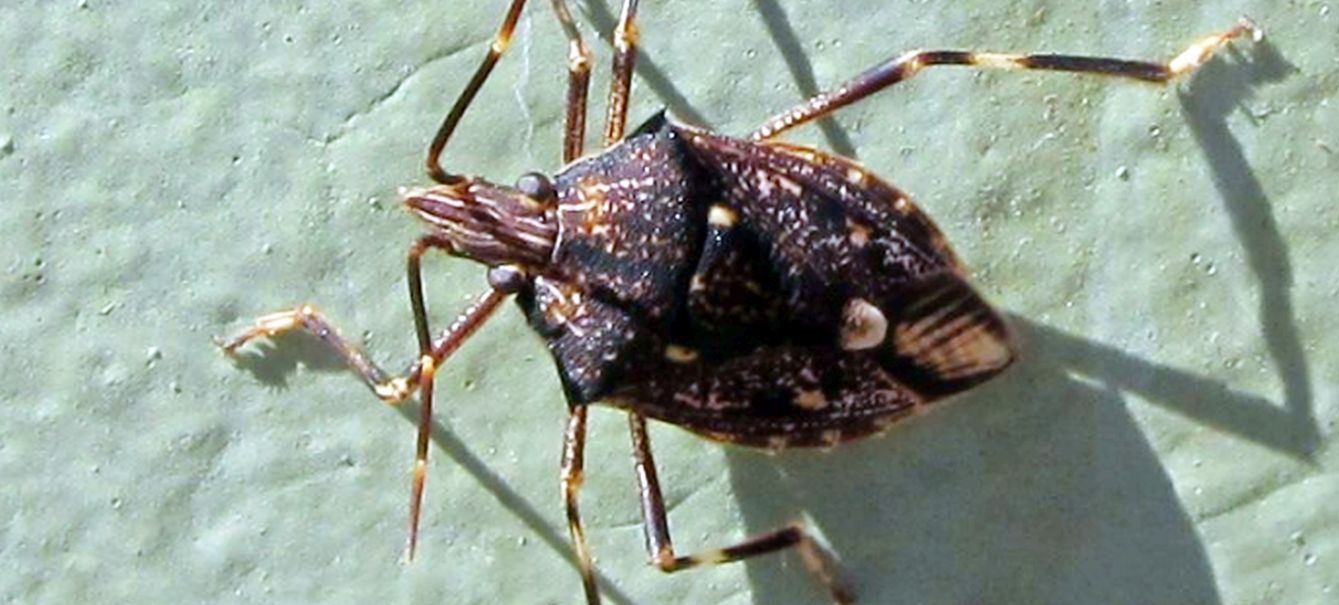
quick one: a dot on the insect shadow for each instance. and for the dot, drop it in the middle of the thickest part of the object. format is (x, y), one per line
(801, 70)
(271, 363)
(1041, 486)
(1038, 488)
(1206, 104)
(602, 20)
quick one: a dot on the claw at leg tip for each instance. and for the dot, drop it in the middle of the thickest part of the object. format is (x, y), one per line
(228, 346)
(1249, 25)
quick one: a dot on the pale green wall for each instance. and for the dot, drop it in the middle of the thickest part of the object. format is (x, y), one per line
(174, 169)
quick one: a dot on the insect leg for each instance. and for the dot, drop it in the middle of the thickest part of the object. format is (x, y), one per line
(620, 90)
(415, 281)
(661, 548)
(578, 84)
(419, 375)
(500, 42)
(430, 355)
(904, 67)
(307, 318)
(574, 454)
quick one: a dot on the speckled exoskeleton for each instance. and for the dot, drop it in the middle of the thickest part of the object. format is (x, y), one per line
(747, 290)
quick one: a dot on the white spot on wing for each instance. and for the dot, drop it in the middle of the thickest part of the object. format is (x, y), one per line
(863, 325)
(790, 186)
(856, 177)
(811, 400)
(721, 215)
(858, 233)
(680, 354)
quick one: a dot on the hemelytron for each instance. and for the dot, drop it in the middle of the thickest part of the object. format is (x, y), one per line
(745, 289)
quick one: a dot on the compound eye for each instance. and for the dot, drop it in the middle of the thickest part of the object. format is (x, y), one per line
(536, 187)
(507, 279)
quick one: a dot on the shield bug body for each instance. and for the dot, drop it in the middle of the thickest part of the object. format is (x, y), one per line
(748, 290)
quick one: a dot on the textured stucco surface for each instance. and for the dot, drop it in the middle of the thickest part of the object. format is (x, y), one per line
(171, 170)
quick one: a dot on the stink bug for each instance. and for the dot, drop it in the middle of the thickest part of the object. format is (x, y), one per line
(747, 290)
